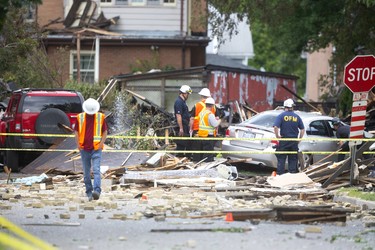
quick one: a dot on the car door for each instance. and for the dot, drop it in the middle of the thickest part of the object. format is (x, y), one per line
(318, 135)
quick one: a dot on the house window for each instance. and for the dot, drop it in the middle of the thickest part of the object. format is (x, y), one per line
(29, 13)
(153, 2)
(122, 2)
(169, 2)
(106, 2)
(144, 2)
(137, 2)
(87, 66)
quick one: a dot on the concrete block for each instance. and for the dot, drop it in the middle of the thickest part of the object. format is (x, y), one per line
(65, 216)
(119, 217)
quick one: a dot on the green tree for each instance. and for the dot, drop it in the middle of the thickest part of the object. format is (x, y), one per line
(6, 5)
(23, 58)
(273, 58)
(309, 25)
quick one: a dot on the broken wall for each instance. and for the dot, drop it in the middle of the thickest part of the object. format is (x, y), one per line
(260, 91)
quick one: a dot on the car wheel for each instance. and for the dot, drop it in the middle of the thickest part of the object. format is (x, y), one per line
(47, 123)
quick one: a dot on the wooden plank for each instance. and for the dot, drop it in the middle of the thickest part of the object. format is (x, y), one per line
(176, 230)
(261, 214)
(344, 167)
(341, 217)
(336, 186)
(309, 214)
(314, 168)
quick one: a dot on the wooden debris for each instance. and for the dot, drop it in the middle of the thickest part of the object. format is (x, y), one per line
(311, 214)
(176, 230)
(261, 214)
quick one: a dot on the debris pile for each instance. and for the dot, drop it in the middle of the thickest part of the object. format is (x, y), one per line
(66, 199)
(335, 175)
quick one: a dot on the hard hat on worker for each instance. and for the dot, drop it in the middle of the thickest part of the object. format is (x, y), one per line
(288, 103)
(91, 106)
(210, 100)
(185, 89)
(205, 92)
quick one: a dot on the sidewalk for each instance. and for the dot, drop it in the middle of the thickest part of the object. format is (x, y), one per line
(364, 204)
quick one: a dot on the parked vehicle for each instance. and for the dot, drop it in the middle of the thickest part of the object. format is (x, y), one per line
(36, 111)
(260, 127)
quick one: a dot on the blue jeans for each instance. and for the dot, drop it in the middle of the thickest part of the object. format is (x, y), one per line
(94, 157)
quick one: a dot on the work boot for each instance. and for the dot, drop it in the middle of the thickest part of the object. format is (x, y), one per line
(95, 195)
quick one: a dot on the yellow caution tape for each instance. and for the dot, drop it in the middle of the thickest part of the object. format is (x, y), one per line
(16, 243)
(9, 242)
(186, 151)
(190, 138)
(197, 138)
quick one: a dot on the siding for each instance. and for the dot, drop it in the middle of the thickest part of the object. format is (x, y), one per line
(146, 18)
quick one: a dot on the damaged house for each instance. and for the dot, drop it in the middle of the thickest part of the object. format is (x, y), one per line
(110, 38)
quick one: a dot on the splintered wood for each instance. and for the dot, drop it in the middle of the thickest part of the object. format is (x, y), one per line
(320, 173)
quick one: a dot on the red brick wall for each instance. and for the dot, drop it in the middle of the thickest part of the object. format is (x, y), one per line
(117, 60)
(51, 10)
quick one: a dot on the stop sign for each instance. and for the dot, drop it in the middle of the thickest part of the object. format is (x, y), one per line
(359, 74)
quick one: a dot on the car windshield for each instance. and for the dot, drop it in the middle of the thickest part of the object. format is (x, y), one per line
(68, 104)
(266, 120)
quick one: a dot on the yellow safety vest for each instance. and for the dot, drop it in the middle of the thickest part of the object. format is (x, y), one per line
(198, 108)
(98, 125)
(204, 126)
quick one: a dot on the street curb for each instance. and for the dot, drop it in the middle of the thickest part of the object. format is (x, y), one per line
(355, 201)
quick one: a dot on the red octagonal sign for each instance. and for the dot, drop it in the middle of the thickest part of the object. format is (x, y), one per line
(359, 74)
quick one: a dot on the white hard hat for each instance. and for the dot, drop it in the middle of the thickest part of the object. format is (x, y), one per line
(205, 92)
(288, 103)
(210, 100)
(185, 89)
(90, 106)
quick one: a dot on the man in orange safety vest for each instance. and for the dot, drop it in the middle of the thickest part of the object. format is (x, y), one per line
(208, 123)
(91, 133)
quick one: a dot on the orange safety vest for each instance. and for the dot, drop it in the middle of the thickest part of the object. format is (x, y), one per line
(98, 125)
(199, 106)
(205, 128)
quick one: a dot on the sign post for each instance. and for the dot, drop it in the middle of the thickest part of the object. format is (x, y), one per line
(359, 77)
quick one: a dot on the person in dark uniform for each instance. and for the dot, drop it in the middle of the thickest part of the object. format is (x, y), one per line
(342, 131)
(182, 114)
(288, 125)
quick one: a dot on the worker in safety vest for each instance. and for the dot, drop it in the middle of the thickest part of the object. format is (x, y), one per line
(91, 133)
(194, 122)
(207, 128)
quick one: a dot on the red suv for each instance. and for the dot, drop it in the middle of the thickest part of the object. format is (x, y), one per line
(36, 111)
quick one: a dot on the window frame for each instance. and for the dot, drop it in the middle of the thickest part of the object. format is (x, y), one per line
(73, 54)
(169, 3)
(106, 2)
(143, 3)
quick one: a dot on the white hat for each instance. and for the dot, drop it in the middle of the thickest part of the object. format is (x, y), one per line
(185, 89)
(288, 103)
(205, 92)
(90, 106)
(210, 100)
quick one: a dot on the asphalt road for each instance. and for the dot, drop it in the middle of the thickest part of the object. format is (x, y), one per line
(103, 228)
